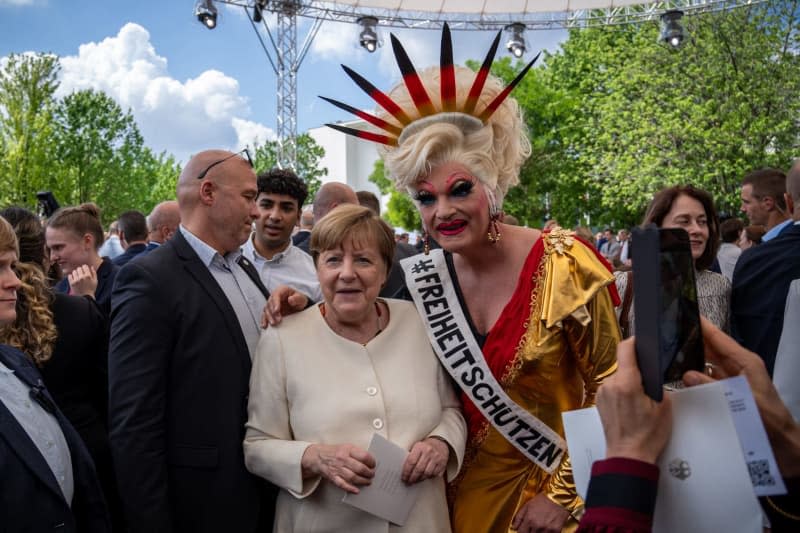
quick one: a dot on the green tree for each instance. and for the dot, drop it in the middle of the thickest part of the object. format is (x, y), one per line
(308, 168)
(27, 85)
(102, 157)
(549, 187)
(400, 210)
(162, 171)
(648, 116)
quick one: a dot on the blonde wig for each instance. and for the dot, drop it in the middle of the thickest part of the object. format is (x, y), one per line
(493, 153)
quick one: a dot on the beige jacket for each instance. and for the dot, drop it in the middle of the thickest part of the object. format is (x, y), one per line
(309, 385)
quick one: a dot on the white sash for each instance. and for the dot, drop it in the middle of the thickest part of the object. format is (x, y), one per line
(433, 292)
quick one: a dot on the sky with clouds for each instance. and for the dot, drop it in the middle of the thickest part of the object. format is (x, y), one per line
(190, 88)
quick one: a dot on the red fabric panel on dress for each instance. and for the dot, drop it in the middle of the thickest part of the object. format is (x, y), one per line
(501, 343)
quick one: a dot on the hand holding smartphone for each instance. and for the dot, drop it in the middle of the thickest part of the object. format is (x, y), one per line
(667, 320)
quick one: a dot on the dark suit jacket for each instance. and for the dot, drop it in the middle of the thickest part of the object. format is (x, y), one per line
(132, 251)
(150, 247)
(304, 245)
(77, 377)
(758, 297)
(179, 371)
(395, 286)
(30, 498)
(301, 236)
(105, 282)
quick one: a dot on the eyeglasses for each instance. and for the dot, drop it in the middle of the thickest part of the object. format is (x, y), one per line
(246, 153)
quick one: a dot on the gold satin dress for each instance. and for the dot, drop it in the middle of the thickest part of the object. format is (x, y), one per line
(567, 349)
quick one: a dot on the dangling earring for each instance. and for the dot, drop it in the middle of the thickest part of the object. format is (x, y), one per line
(426, 243)
(493, 230)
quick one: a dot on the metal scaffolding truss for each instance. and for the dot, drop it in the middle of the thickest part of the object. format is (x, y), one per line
(287, 57)
(539, 20)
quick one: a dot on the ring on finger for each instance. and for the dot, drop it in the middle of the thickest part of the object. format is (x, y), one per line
(709, 369)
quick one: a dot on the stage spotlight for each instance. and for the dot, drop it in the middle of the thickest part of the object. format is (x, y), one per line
(516, 44)
(368, 39)
(672, 31)
(206, 13)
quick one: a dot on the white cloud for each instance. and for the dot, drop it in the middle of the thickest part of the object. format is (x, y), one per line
(251, 133)
(18, 2)
(182, 117)
(335, 41)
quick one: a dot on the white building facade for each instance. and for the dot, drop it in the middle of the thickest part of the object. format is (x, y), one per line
(348, 159)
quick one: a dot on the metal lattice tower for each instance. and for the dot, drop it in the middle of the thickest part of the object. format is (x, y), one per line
(287, 83)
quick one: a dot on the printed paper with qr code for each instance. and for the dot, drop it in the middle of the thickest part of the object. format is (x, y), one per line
(764, 473)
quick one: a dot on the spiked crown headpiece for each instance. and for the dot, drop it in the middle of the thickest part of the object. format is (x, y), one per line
(466, 117)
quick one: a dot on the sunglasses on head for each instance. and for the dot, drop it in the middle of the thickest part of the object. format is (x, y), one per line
(246, 153)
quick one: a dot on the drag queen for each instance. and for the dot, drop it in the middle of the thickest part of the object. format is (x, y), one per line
(523, 320)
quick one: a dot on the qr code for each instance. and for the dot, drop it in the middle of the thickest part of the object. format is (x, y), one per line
(759, 473)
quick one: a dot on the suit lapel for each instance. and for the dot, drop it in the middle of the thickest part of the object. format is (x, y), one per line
(195, 267)
(17, 438)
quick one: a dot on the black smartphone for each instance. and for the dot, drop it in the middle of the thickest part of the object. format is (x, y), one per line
(669, 340)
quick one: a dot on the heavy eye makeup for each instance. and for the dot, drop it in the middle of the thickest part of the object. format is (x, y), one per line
(424, 197)
(461, 188)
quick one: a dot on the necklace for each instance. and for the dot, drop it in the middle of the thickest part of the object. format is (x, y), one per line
(377, 321)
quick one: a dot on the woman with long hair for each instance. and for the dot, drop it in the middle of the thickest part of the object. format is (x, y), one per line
(48, 479)
(67, 338)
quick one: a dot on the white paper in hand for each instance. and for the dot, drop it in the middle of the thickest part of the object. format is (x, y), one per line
(704, 484)
(761, 464)
(387, 497)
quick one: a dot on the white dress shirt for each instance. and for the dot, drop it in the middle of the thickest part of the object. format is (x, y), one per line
(292, 267)
(41, 427)
(246, 299)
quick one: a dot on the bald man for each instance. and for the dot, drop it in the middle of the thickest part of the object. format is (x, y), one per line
(162, 223)
(761, 281)
(185, 323)
(329, 196)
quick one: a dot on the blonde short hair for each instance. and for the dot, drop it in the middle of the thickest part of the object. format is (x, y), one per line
(494, 153)
(358, 224)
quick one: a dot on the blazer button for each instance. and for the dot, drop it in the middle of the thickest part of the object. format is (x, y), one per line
(377, 423)
(372, 391)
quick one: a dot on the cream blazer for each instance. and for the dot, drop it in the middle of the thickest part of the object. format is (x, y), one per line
(309, 385)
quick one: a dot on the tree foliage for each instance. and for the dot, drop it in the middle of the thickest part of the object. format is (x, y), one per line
(27, 85)
(629, 115)
(400, 210)
(82, 147)
(308, 168)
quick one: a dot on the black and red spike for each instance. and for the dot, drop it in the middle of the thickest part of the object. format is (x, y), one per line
(410, 77)
(382, 100)
(492, 107)
(480, 77)
(372, 119)
(366, 135)
(448, 75)
(422, 101)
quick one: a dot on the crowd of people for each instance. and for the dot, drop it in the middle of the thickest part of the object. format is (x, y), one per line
(223, 363)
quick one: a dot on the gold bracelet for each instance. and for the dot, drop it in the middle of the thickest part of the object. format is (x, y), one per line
(781, 511)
